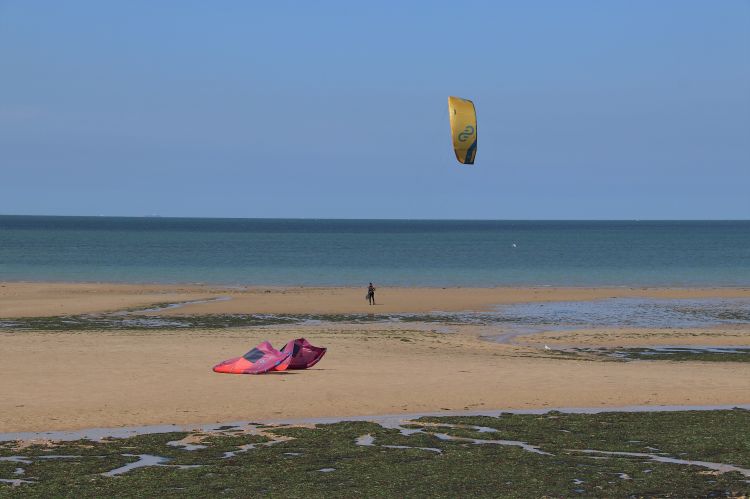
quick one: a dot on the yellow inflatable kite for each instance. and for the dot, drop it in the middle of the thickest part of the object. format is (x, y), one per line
(463, 129)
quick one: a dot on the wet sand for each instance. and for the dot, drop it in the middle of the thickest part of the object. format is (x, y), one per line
(47, 299)
(718, 336)
(21, 299)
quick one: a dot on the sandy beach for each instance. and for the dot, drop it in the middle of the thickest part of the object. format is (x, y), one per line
(54, 380)
(26, 299)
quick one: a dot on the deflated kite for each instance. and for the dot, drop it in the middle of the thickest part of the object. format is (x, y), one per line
(304, 355)
(297, 354)
(259, 360)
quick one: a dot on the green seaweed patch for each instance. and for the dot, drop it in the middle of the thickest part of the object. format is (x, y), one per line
(702, 354)
(136, 320)
(717, 436)
(327, 461)
(685, 355)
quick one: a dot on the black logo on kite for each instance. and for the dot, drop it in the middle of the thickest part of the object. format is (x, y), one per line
(468, 132)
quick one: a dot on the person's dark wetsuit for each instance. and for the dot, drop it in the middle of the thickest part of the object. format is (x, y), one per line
(371, 294)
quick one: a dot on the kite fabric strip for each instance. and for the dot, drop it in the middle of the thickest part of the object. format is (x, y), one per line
(259, 360)
(304, 354)
(297, 354)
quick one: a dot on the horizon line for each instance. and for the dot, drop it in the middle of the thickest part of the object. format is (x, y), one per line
(395, 219)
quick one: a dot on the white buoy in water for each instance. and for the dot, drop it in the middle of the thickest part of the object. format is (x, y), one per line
(514, 245)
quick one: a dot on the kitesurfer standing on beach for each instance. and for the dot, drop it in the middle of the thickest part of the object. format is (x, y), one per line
(371, 294)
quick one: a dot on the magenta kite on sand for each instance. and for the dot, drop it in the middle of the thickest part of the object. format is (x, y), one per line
(304, 355)
(297, 354)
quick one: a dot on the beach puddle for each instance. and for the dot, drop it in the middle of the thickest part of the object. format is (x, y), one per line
(672, 352)
(15, 482)
(176, 305)
(190, 442)
(16, 459)
(365, 440)
(477, 441)
(369, 441)
(719, 467)
(145, 460)
(240, 449)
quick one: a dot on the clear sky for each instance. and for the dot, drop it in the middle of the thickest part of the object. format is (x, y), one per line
(587, 109)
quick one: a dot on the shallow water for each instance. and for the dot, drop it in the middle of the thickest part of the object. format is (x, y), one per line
(146, 460)
(369, 441)
(629, 312)
(15, 459)
(172, 306)
(185, 445)
(143, 461)
(15, 482)
(502, 324)
(720, 467)
(670, 352)
(240, 449)
(478, 441)
(697, 349)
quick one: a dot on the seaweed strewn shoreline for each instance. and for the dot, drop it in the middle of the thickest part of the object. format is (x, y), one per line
(613, 454)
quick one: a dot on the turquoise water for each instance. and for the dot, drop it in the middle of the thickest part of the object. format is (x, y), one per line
(387, 252)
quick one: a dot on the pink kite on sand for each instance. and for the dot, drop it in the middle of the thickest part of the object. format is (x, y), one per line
(297, 354)
(304, 355)
(259, 360)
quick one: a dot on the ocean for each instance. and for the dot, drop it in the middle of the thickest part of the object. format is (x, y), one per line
(386, 252)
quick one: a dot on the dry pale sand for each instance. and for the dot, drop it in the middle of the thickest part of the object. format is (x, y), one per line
(73, 380)
(78, 380)
(45, 299)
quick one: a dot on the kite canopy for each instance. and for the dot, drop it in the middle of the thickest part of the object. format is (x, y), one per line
(259, 360)
(304, 355)
(463, 119)
(297, 354)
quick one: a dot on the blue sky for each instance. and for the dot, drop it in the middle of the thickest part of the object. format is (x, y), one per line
(587, 109)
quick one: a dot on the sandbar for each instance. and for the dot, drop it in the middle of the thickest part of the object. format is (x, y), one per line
(32, 299)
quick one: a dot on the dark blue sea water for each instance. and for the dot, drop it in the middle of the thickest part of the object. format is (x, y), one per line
(387, 252)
